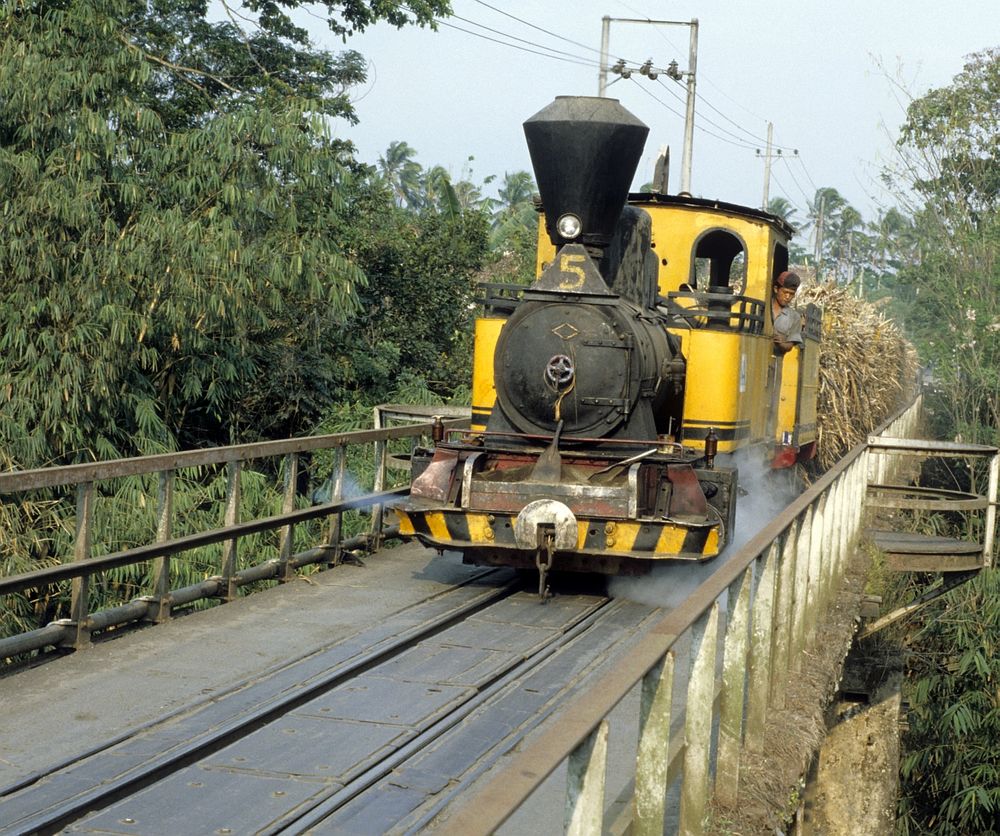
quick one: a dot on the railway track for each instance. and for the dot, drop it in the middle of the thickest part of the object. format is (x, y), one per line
(376, 733)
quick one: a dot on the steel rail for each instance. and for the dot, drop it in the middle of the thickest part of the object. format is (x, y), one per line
(160, 765)
(327, 804)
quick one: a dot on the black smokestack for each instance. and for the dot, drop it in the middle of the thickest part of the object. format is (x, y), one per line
(585, 151)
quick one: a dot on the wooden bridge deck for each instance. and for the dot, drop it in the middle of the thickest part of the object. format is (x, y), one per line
(59, 710)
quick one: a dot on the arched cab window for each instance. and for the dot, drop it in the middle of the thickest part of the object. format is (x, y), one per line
(780, 261)
(713, 298)
(720, 261)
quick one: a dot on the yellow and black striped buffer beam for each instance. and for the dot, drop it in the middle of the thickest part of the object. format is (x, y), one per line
(646, 539)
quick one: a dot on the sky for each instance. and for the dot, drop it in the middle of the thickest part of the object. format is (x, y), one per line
(833, 78)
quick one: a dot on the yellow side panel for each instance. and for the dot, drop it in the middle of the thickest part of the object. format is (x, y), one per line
(758, 351)
(789, 397)
(546, 250)
(809, 393)
(484, 393)
(799, 390)
(726, 387)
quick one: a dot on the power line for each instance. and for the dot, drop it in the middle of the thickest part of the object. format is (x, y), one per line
(544, 51)
(784, 190)
(794, 179)
(657, 98)
(540, 29)
(704, 118)
(808, 175)
(738, 139)
(704, 78)
(576, 60)
(658, 31)
(738, 142)
(736, 102)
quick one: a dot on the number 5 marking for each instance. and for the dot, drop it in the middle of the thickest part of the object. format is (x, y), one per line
(571, 263)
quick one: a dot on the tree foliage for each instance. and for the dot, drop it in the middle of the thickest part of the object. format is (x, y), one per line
(169, 190)
(948, 289)
(950, 152)
(951, 769)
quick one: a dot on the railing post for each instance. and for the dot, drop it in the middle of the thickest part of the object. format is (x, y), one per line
(813, 582)
(585, 784)
(734, 675)
(653, 751)
(378, 511)
(990, 521)
(232, 516)
(801, 584)
(843, 529)
(698, 723)
(863, 482)
(846, 512)
(762, 624)
(164, 531)
(287, 536)
(831, 547)
(784, 603)
(337, 521)
(860, 492)
(79, 608)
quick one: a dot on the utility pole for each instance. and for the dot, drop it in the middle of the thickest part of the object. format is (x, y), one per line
(602, 78)
(651, 72)
(850, 258)
(689, 110)
(819, 236)
(768, 155)
(767, 165)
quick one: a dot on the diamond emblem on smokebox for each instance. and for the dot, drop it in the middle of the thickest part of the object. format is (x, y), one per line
(565, 331)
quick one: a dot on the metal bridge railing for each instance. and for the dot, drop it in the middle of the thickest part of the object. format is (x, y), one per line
(777, 589)
(83, 565)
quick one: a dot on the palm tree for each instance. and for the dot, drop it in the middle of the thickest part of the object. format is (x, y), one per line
(894, 242)
(469, 195)
(821, 214)
(438, 193)
(515, 191)
(401, 172)
(783, 208)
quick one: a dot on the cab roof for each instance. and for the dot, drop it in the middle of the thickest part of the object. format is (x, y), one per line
(690, 202)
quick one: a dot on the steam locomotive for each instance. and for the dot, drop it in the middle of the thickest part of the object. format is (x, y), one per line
(608, 396)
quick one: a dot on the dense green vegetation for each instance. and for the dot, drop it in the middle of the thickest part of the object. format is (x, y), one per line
(189, 258)
(948, 293)
(173, 216)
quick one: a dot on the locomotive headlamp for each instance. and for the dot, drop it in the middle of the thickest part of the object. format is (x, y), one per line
(569, 226)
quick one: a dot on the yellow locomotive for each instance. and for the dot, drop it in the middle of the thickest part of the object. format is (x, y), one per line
(604, 393)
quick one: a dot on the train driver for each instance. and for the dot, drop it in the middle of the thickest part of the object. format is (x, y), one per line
(787, 321)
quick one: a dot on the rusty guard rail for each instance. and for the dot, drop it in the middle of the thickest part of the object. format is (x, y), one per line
(74, 631)
(778, 587)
